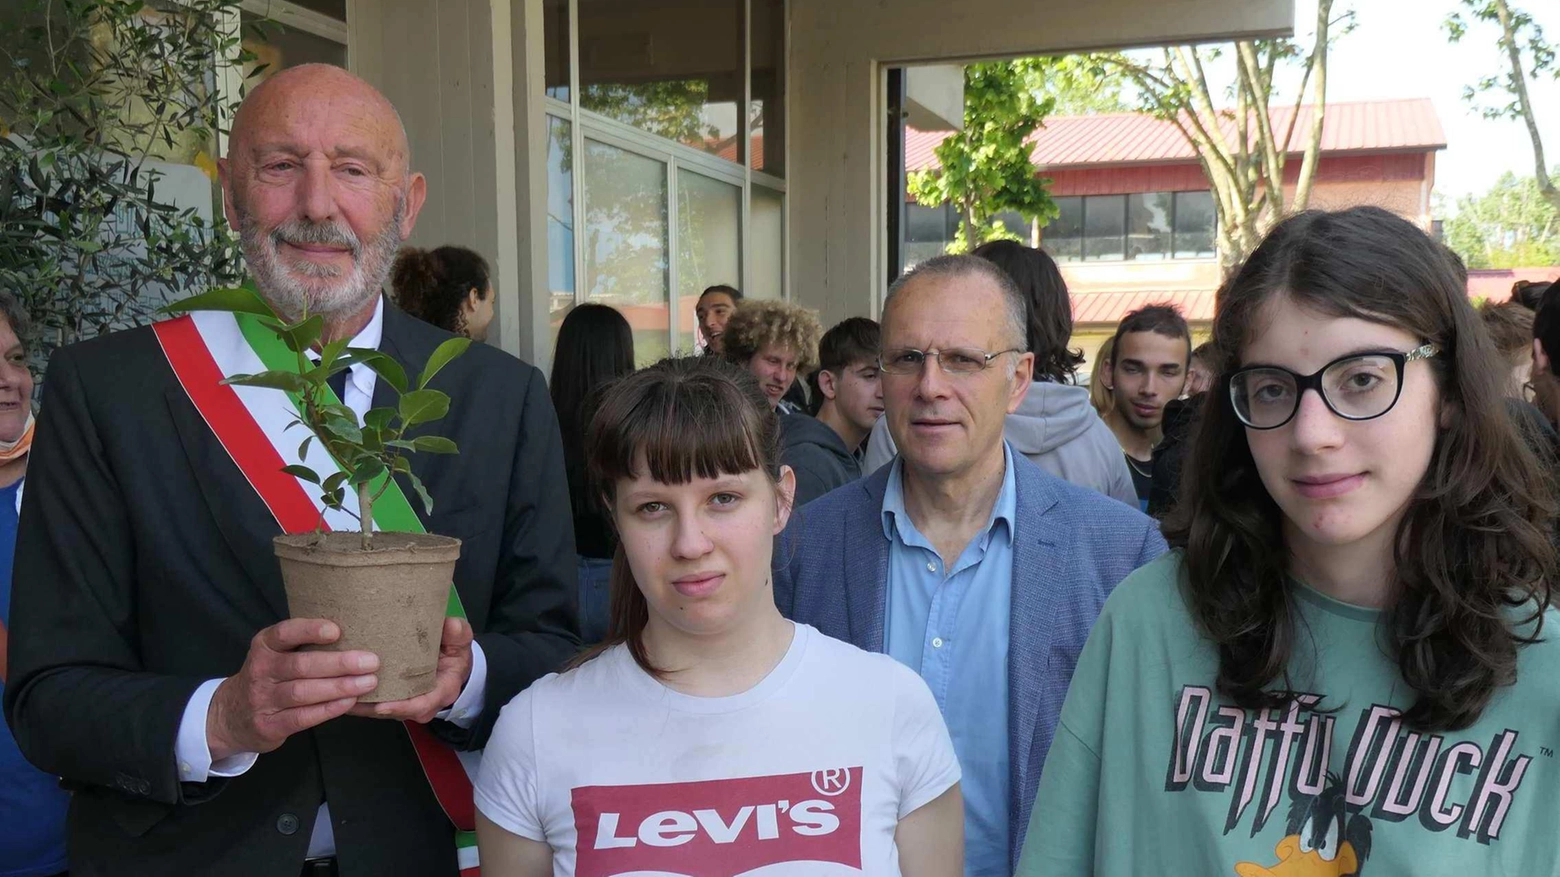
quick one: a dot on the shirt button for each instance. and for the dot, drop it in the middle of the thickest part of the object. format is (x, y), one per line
(937, 642)
(931, 567)
(287, 823)
(184, 766)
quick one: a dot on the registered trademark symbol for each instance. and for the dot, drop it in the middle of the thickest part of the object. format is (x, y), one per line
(831, 782)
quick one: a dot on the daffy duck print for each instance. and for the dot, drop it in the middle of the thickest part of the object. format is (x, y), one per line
(1323, 839)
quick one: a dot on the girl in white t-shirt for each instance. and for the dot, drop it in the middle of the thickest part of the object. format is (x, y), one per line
(709, 736)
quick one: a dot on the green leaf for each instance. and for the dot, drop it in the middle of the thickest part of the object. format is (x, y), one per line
(303, 472)
(369, 469)
(303, 449)
(434, 444)
(441, 357)
(234, 300)
(379, 418)
(422, 492)
(421, 406)
(334, 482)
(303, 335)
(332, 351)
(344, 429)
(272, 380)
(384, 366)
(402, 465)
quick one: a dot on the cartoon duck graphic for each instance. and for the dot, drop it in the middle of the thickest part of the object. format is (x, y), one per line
(1323, 839)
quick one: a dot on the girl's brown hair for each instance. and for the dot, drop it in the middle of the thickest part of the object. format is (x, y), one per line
(694, 417)
(432, 285)
(1473, 560)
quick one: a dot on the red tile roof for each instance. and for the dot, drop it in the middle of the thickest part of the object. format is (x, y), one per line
(1135, 138)
(1109, 307)
(1494, 284)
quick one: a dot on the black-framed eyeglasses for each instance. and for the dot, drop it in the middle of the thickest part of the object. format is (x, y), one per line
(953, 360)
(1360, 386)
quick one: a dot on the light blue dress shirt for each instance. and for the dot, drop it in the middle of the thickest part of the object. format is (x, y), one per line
(951, 626)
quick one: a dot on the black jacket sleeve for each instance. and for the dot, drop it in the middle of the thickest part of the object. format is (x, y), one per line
(533, 623)
(78, 700)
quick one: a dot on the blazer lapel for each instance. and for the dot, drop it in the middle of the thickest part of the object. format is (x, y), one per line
(241, 516)
(866, 569)
(1040, 560)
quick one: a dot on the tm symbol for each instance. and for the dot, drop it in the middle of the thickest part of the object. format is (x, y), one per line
(1546, 752)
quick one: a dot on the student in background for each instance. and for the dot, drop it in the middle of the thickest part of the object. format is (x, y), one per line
(1148, 363)
(32, 804)
(708, 734)
(775, 341)
(1055, 426)
(1099, 381)
(715, 307)
(824, 450)
(1346, 666)
(448, 287)
(595, 347)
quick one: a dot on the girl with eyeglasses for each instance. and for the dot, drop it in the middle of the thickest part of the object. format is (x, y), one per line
(1339, 669)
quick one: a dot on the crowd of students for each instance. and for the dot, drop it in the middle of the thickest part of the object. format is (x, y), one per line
(1338, 663)
(925, 629)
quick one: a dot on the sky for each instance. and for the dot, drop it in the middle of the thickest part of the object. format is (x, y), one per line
(1400, 50)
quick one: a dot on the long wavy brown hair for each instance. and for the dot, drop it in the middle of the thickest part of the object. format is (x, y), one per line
(1474, 560)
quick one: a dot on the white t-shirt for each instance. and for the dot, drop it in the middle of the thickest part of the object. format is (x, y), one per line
(806, 774)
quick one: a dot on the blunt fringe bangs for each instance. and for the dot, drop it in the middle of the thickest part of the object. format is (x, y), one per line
(1474, 559)
(686, 418)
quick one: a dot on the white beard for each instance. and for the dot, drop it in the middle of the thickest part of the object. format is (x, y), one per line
(320, 289)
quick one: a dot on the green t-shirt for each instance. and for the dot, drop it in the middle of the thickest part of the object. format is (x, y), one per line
(1153, 773)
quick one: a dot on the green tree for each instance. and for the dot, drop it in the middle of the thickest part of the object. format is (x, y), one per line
(985, 168)
(1084, 85)
(93, 94)
(1511, 226)
(1527, 55)
(1241, 150)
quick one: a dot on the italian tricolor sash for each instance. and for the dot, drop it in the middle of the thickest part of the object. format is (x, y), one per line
(206, 347)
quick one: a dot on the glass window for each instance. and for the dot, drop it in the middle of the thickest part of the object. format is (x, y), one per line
(709, 244)
(1063, 237)
(673, 68)
(1015, 223)
(555, 57)
(560, 221)
(1104, 226)
(927, 225)
(1148, 226)
(1194, 225)
(279, 47)
(625, 242)
(766, 244)
(767, 116)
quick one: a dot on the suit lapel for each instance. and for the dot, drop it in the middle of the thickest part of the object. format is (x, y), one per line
(245, 523)
(866, 570)
(1040, 561)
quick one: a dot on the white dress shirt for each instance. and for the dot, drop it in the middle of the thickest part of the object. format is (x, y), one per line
(192, 749)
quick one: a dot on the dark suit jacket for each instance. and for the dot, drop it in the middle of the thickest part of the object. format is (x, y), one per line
(144, 566)
(1071, 547)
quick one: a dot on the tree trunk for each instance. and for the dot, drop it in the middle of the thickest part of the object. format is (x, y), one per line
(1313, 146)
(365, 492)
(1524, 105)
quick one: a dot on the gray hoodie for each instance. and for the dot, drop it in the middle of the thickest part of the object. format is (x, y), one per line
(1058, 430)
(818, 455)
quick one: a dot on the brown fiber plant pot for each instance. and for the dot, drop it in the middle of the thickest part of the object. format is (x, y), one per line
(389, 600)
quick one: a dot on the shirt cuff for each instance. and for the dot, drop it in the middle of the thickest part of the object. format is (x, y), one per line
(192, 751)
(464, 711)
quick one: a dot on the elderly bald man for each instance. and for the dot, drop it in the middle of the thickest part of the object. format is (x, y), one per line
(151, 665)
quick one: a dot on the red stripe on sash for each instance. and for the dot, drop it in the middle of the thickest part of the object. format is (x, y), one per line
(446, 775)
(235, 429)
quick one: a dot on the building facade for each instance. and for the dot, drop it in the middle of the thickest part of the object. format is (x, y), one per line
(1137, 222)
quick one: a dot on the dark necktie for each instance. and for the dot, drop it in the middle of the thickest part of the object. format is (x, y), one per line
(338, 383)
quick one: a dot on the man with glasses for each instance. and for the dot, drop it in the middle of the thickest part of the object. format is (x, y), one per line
(963, 560)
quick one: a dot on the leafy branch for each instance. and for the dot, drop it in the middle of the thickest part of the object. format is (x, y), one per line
(369, 455)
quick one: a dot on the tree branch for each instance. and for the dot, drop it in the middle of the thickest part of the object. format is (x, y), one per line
(1518, 86)
(1313, 146)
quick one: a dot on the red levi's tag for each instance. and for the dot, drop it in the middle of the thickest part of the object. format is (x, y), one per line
(719, 828)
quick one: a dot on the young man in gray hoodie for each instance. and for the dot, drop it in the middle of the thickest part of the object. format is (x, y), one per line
(825, 450)
(1055, 426)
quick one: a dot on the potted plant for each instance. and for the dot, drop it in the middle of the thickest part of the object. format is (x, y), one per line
(388, 590)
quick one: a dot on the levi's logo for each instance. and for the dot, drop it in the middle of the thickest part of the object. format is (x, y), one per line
(719, 828)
